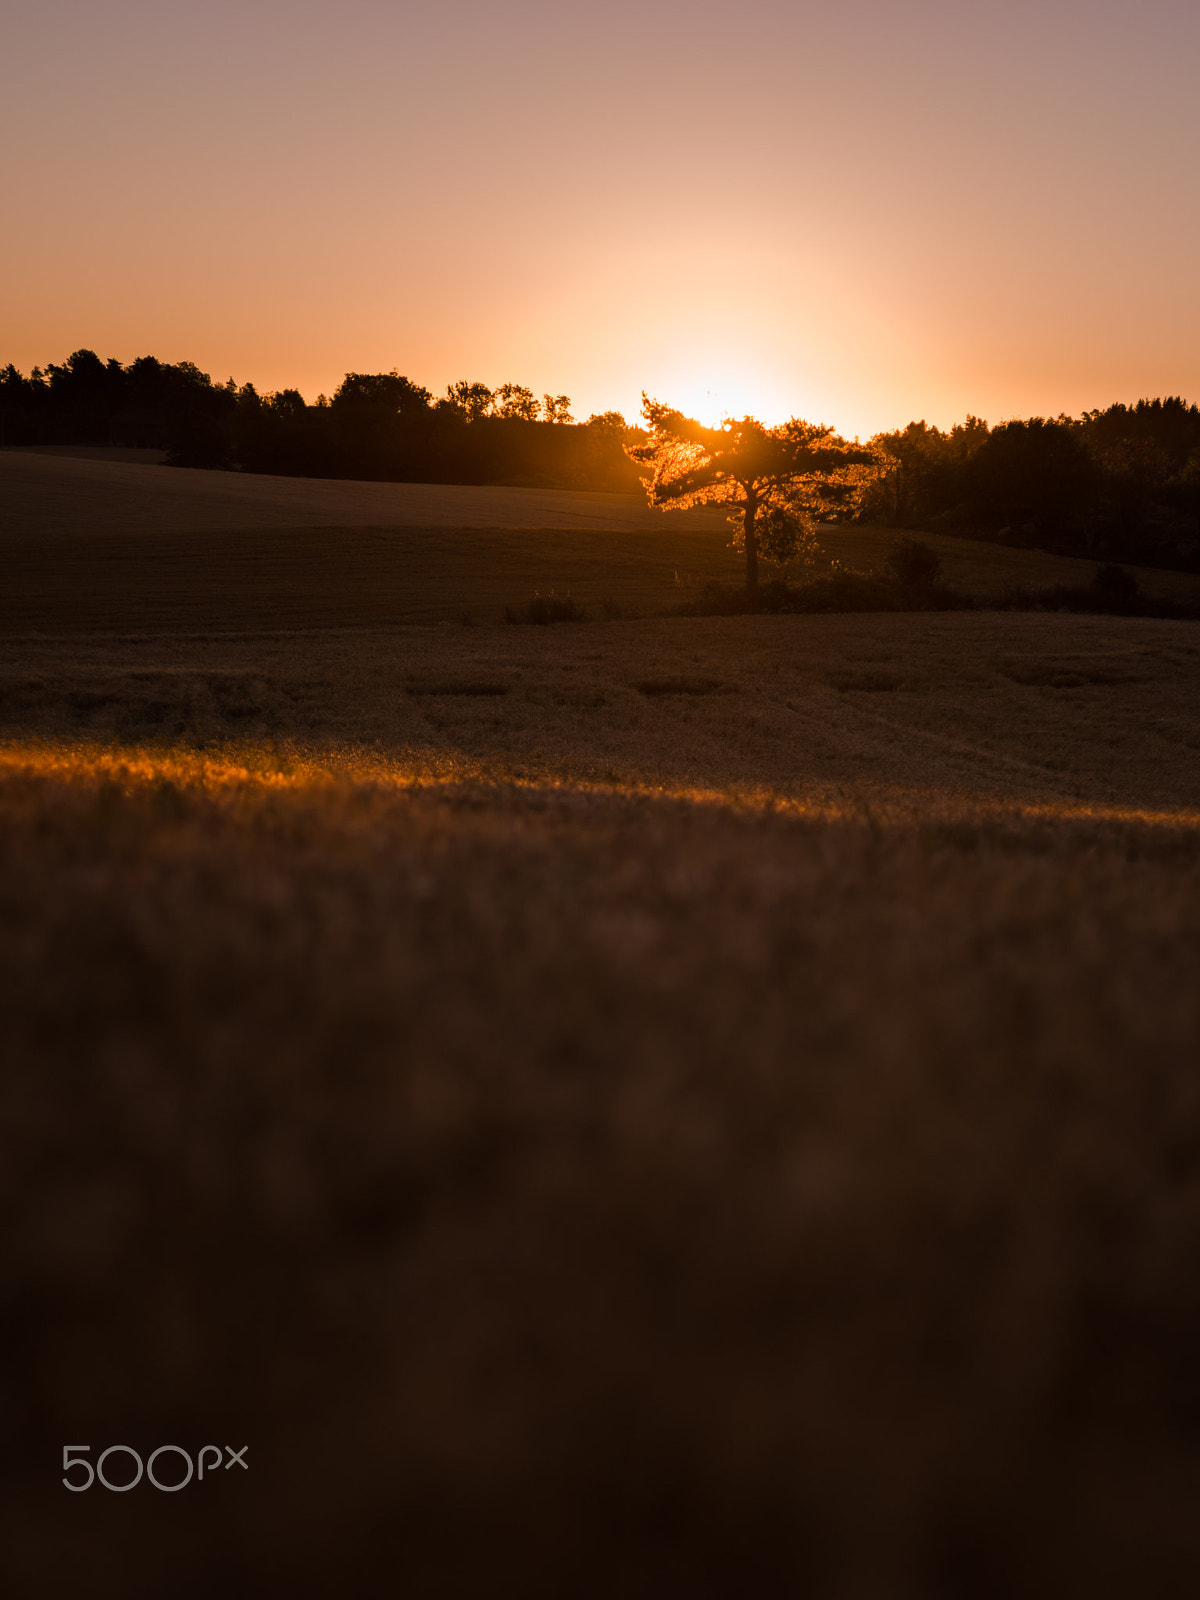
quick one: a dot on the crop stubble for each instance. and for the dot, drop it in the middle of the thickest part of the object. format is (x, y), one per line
(699, 1105)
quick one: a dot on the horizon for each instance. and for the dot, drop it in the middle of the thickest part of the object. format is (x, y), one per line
(888, 219)
(702, 411)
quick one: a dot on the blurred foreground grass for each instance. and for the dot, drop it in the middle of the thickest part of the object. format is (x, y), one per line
(716, 1113)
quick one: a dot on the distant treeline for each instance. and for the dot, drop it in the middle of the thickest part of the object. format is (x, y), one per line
(377, 425)
(1121, 484)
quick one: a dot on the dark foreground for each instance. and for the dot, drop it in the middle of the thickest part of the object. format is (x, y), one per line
(695, 1108)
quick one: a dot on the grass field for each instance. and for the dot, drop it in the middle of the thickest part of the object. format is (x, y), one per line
(90, 545)
(652, 1107)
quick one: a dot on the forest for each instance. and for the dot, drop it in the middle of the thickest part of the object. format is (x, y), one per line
(376, 425)
(1117, 484)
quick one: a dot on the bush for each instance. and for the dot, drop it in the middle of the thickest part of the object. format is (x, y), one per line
(1114, 591)
(914, 562)
(545, 608)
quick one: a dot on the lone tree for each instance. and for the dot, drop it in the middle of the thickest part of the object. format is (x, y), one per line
(780, 481)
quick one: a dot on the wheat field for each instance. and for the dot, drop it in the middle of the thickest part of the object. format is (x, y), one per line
(657, 1106)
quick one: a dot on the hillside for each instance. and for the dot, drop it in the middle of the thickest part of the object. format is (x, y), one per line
(87, 543)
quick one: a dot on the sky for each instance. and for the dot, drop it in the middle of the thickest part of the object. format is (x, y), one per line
(860, 214)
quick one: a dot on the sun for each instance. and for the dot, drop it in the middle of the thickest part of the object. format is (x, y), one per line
(711, 391)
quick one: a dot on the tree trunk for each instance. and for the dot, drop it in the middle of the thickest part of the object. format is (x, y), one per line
(751, 538)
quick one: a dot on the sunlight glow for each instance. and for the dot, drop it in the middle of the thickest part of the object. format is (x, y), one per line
(712, 390)
(242, 771)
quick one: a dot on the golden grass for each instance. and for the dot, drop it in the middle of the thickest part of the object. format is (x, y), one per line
(969, 706)
(714, 1113)
(249, 772)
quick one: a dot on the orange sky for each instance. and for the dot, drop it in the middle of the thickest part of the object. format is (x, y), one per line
(861, 215)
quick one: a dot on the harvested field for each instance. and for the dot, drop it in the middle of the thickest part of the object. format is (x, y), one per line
(90, 545)
(332, 577)
(1025, 708)
(673, 1106)
(93, 493)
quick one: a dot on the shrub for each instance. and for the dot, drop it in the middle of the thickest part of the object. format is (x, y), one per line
(914, 562)
(1113, 591)
(546, 608)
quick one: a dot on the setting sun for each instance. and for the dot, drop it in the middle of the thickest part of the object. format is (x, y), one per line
(712, 392)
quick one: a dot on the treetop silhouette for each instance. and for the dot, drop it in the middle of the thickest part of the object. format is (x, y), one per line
(384, 391)
(512, 402)
(516, 401)
(780, 481)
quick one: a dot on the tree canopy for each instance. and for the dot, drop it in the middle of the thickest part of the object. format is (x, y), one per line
(389, 392)
(779, 481)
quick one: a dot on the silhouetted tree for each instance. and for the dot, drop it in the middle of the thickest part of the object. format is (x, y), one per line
(24, 406)
(84, 394)
(1038, 473)
(912, 458)
(923, 471)
(470, 400)
(780, 481)
(381, 391)
(557, 408)
(608, 422)
(514, 401)
(1170, 425)
(1134, 472)
(966, 437)
(286, 403)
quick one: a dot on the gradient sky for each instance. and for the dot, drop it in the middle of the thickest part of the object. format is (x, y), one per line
(860, 214)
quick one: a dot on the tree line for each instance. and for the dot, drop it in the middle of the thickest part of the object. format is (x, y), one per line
(376, 425)
(1120, 484)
